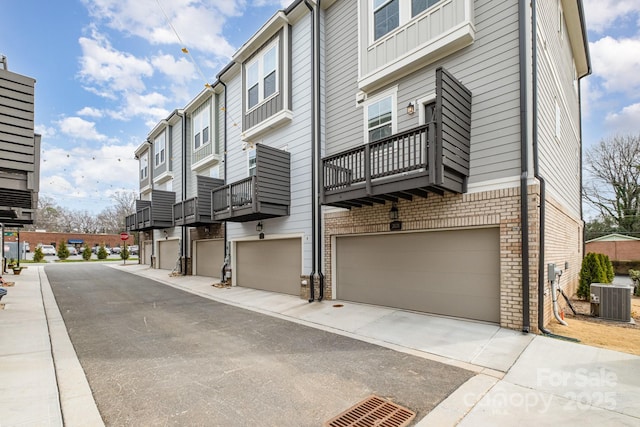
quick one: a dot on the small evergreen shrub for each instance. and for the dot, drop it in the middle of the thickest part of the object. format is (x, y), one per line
(635, 276)
(63, 251)
(591, 272)
(124, 253)
(609, 269)
(102, 252)
(38, 256)
(86, 253)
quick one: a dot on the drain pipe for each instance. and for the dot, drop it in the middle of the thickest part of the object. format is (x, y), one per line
(184, 187)
(524, 165)
(223, 272)
(555, 287)
(318, 140)
(314, 236)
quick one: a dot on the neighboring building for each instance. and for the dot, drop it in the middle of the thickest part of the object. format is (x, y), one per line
(400, 153)
(19, 149)
(617, 247)
(79, 240)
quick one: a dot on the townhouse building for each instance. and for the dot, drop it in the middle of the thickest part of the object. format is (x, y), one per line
(423, 155)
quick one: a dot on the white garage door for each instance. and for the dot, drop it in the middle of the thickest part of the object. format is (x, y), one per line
(273, 265)
(168, 254)
(453, 272)
(209, 257)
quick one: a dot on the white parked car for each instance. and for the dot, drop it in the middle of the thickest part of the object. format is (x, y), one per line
(48, 250)
(72, 250)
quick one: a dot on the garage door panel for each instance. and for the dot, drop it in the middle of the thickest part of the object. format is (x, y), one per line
(168, 251)
(209, 257)
(453, 272)
(273, 265)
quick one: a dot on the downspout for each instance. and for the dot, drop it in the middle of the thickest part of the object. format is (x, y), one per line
(314, 234)
(524, 163)
(318, 141)
(225, 264)
(184, 187)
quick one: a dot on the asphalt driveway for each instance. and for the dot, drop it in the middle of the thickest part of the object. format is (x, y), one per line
(155, 355)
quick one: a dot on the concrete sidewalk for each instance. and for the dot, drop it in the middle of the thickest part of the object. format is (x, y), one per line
(524, 379)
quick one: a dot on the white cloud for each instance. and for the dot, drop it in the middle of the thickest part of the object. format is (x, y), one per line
(90, 112)
(603, 14)
(625, 121)
(79, 128)
(179, 71)
(149, 107)
(103, 65)
(46, 132)
(198, 23)
(616, 62)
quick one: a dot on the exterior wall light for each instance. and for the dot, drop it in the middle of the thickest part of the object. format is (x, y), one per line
(411, 108)
(259, 229)
(393, 212)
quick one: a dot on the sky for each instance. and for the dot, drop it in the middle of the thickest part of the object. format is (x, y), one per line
(107, 71)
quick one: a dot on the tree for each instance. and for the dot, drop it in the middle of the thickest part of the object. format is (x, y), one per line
(124, 253)
(598, 227)
(102, 252)
(86, 253)
(612, 181)
(38, 256)
(63, 250)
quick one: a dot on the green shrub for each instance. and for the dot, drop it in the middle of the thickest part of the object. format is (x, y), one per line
(635, 276)
(124, 253)
(609, 269)
(38, 256)
(63, 251)
(102, 252)
(591, 272)
(86, 253)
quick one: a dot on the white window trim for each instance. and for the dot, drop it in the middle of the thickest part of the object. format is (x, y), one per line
(193, 129)
(260, 60)
(144, 169)
(249, 151)
(421, 103)
(404, 10)
(391, 92)
(162, 153)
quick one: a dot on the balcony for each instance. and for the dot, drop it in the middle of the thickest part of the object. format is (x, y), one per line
(267, 194)
(196, 211)
(152, 214)
(432, 158)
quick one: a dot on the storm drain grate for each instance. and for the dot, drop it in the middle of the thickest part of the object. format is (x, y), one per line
(374, 411)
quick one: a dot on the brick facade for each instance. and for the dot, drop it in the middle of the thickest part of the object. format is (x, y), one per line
(35, 237)
(500, 208)
(619, 250)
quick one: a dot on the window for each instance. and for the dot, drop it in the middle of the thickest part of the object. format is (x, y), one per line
(262, 76)
(159, 148)
(251, 159)
(144, 166)
(390, 14)
(380, 119)
(201, 125)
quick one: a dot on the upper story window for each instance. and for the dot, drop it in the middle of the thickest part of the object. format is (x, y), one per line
(251, 160)
(380, 116)
(159, 149)
(201, 125)
(391, 14)
(262, 75)
(144, 166)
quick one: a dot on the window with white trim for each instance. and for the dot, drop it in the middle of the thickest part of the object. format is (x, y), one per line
(380, 118)
(251, 161)
(159, 149)
(144, 166)
(262, 76)
(391, 14)
(201, 125)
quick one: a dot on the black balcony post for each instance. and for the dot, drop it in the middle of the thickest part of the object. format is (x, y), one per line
(367, 167)
(430, 152)
(229, 200)
(254, 192)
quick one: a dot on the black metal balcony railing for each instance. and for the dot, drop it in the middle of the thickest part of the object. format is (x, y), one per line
(241, 194)
(397, 154)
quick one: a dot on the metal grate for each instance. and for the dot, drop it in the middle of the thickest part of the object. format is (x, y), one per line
(374, 411)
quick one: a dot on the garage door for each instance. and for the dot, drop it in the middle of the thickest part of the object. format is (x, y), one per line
(168, 254)
(454, 273)
(272, 265)
(209, 257)
(146, 254)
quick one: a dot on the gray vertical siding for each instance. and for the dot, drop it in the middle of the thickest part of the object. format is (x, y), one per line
(175, 158)
(488, 68)
(294, 136)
